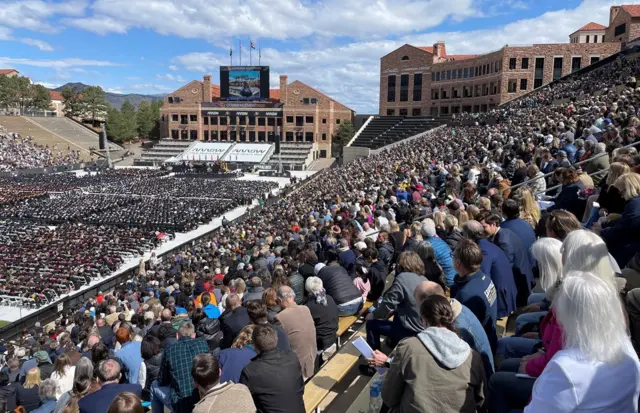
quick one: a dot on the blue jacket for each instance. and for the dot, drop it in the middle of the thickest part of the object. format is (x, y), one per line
(524, 231)
(348, 260)
(99, 401)
(444, 258)
(233, 360)
(478, 293)
(131, 356)
(571, 150)
(623, 239)
(511, 245)
(496, 264)
(471, 331)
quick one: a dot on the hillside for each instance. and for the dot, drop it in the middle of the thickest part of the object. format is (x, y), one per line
(115, 99)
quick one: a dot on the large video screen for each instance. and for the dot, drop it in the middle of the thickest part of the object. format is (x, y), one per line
(244, 82)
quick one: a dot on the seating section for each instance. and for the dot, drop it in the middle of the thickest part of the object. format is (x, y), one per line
(72, 131)
(386, 130)
(163, 150)
(295, 153)
(23, 127)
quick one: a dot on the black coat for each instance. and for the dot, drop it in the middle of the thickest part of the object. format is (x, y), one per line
(231, 324)
(377, 278)
(452, 238)
(28, 398)
(297, 284)
(569, 199)
(209, 330)
(510, 243)
(325, 318)
(8, 397)
(153, 370)
(386, 253)
(283, 395)
(307, 270)
(338, 284)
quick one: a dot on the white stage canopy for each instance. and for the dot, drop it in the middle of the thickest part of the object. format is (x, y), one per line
(248, 152)
(205, 151)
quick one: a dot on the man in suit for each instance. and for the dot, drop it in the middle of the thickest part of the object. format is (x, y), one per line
(108, 376)
(513, 222)
(233, 320)
(495, 264)
(599, 162)
(511, 245)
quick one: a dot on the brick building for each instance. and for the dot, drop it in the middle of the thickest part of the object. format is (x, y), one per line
(9, 72)
(426, 81)
(295, 111)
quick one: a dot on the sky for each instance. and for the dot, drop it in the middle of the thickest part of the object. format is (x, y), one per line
(157, 46)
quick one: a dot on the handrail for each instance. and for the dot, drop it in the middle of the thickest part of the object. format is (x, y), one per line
(560, 185)
(575, 164)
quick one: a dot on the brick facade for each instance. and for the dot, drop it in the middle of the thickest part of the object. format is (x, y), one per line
(297, 111)
(619, 16)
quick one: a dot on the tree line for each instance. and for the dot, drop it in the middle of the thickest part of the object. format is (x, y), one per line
(19, 93)
(122, 125)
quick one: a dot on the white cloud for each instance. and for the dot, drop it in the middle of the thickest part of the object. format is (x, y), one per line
(149, 88)
(173, 67)
(279, 19)
(42, 45)
(171, 78)
(35, 14)
(49, 85)
(55, 64)
(114, 90)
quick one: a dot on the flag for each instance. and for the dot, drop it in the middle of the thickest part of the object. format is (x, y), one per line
(230, 51)
(253, 46)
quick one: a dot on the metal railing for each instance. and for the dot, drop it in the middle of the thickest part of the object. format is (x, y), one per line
(575, 164)
(560, 185)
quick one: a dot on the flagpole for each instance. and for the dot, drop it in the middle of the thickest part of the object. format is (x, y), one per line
(259, 55)
(250, 52)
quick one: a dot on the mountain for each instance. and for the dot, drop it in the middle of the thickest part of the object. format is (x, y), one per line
(115, 99)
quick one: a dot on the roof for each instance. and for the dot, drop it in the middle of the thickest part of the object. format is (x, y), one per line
(632, 9)
(317, 91)
(7, 71)
(55, 95)
(274, 94)
(426, 48)
(454, 57)
(590, 27)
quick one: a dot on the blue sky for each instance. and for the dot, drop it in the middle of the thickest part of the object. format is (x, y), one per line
(155, 46)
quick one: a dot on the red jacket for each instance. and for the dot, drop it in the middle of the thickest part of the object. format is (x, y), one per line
(551, 336)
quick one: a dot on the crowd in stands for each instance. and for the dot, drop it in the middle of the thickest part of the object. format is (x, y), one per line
(17, 152)
(240, 319)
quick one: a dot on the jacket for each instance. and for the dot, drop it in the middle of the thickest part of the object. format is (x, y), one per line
(306, 270)
(131, 356)
(539, 185)
(472, 332)
(153, 370)
(338, 284)
(444, 258)
(325, 318)
(611, 200)
(478, 293)
(28, 398)
(517, 255)
(496, 264)
(401, 299)
(569, 199)
(228, 398)
(8, 396)
(233, 360)
(623, 239)
(283, 395)
(231, 323)
(99, 401)
(297, 285)
(385, 253)
(209, 330)
(378, 273)
(572, 383)
(45, 370)
(452, 238)
(254, 293)
(551, 337)
(525, 232)
(597, 164)
(46, 407)
(435, 372)
(347, 259)
(299, 325)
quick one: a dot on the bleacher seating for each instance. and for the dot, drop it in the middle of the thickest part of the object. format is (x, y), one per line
(164, 149)
(72, 131)
(25, 128)
(295, 153)
(386, 130)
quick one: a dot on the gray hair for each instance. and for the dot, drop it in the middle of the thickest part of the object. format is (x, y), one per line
(585, 251)
(600, 147)
(48, 389)
(186, 330)
(473, 229)
(428, 228)
(286, 293)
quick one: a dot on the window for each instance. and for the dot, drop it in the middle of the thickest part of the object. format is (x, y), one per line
(523, 84)
(453, 74)
(252, 120)
(404, 58)
(223, 121)
(193, 134)
(557, 68)
(205, 120)
(435, 94)
(594, 59)
(433, 76)
(305, 101)
(575, 63)
(448, 74)
(206, 135)
(272, 122)
(174, 133)
(308, 119)
(193, 118)
(184, 134)
(403, 112)
(587, 39)
(417, 87)
(459, 73)
(512, 63)
(299, 120)
(324, 121)
(466, 73)
(308, 136)
(289, 119)
(620, 29)
(404, 81)
(242, 120)
(314, 101)
(337, 121)
(415, 112)
(184, 119)
(417, 95)
(214, 121)
(223, 135)
(595, 38)
(404, 88)
(390, 112)
(252, 136)
(261, 122)
(404, 95)
(537, 83)
(324, 136)
(391, 81)
(525, 63)
(170, 99)
(174, 117)
(261, 136)
(511, 86)
(233, 120)
(289, 136)
(391, 92)
(438, 76)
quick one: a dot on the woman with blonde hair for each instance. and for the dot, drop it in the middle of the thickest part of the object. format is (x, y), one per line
(585, 251)
(439, 218)
(452, 233)
(234, 359)
(623, 238)
(28, 393)
(484, 203)
(529, 209)
(240, 286)
(538, 184)
(463, 216)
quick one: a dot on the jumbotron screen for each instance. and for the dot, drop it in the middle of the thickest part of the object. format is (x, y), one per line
(244, 82)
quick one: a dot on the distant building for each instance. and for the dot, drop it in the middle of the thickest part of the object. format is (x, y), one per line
(426, 81)
(9, 72)
(57, 104)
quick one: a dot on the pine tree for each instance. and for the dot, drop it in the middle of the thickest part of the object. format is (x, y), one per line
(72, 102)
(94, 104)
(128, 123)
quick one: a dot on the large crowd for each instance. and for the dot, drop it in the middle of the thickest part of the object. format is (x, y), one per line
(465, 224)
(17, 152)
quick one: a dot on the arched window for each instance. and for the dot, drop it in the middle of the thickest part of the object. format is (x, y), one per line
(405, 58)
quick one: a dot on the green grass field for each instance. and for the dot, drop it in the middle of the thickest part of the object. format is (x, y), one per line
(3, 323)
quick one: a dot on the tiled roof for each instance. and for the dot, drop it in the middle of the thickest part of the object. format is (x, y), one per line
(274, 94)
(461, 56)
(632, 9)
(7, 71)
(590, 27)
(56, 95)
(426, 48)
(215, 91)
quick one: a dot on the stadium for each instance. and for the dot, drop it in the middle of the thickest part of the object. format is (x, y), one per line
(473, 247)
